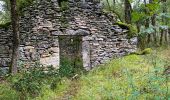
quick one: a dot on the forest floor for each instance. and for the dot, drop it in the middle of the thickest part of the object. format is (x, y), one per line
(133, 77)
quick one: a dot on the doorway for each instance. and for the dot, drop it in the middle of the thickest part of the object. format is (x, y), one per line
(71, 53)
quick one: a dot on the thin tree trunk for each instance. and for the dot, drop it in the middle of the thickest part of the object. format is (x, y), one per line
(127, 10)
(149, 35)
(153, 19)
(16, 41)
(153, 22)
(108, 5)
(161, 37)
(163, 21)
(147, 25)
(166, 36)
(114, 2)
(169, 34)
(166, 23)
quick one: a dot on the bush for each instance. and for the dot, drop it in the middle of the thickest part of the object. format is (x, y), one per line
(70, 68)
(30, 82)
(64, 5)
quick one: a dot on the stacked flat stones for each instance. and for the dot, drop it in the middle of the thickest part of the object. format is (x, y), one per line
(43, 22)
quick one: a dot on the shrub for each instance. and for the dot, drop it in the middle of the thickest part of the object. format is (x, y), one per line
(70, 68)
(30, 82)
(64, 5)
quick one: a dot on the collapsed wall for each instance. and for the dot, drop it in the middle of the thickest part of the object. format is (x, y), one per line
(42, 23)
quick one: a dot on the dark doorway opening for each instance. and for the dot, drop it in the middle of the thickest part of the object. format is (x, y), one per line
(71, 54)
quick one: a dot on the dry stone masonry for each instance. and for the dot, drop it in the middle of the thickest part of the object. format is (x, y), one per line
(42, 23)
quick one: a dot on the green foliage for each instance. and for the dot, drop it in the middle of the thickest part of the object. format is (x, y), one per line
(30, 82)
(137, 16)
(5, 16)
(132, 29)
(64, 22)
(64, 5)
(132, 77)
(7, 93)
(69, 69)
(115, 9)
(145, 31)
(66, 68)
(152, 8)
(6, 25)
(47, 94)
(23, 3)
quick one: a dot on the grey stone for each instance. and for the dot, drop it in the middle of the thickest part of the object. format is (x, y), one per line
(43, 22)
(81, 32)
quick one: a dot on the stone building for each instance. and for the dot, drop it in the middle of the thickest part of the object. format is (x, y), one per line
(50, 32)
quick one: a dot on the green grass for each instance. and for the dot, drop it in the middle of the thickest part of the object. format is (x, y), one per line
(133, 77)
(6, 93)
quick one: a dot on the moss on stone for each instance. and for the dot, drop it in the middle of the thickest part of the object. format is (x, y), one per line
(143, 52)
(132, 29)
(146, 51)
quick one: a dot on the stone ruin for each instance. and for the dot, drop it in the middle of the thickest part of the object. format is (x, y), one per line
(48, 32)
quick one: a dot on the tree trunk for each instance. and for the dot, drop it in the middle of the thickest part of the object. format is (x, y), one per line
(114, 2)
(148, 37)
(127, 10)
(169, 34)
(16, 41)
(153, 19)
(166, 23)
(163, 21)
(109, 5)
(153, 22)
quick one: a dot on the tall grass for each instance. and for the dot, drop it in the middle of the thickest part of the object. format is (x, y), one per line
(130, 78)
(133, 77)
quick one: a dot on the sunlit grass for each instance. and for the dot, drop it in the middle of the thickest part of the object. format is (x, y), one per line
(7, 93)
(124, 78)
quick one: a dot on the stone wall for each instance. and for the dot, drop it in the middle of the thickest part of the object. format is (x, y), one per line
(44, 21)
(5, 47)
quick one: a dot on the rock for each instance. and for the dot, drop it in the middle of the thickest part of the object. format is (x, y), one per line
(70, 32)
(134, 41)
(81, 32)
(56, 33)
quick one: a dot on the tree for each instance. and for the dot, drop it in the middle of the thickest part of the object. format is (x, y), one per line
(16, 41)
(128, 10)
(163, 31)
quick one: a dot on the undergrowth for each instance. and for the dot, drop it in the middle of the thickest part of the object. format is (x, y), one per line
(129, 78)
(133, 77)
